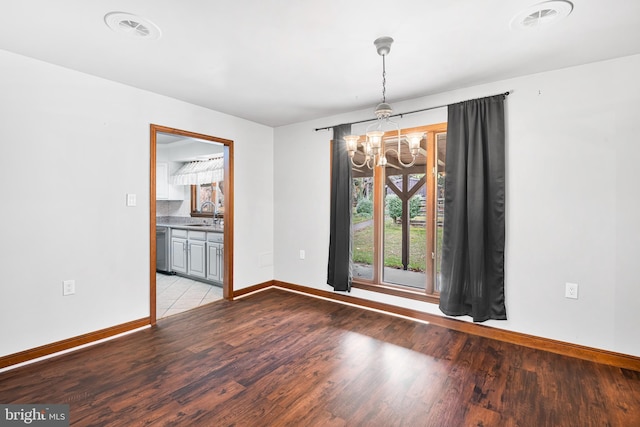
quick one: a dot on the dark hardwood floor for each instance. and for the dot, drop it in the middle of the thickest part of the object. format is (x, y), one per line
(277, 358)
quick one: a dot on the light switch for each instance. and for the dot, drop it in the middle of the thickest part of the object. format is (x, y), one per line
(131, 199)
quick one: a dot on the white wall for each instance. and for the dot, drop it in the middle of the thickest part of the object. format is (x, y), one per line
(573, 204)
(71, 147)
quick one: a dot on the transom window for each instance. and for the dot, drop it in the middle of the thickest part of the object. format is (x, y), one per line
(397, 217)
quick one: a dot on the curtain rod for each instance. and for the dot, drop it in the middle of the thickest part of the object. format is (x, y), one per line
(412, 112)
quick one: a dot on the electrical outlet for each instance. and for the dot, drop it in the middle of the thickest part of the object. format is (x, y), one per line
(131, 200)
(571, 290)
(302, 254)
(68, 287)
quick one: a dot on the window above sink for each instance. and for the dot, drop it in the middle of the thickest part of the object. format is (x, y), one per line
(207, 200)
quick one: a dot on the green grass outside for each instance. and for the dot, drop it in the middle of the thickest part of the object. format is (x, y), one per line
(363, 246)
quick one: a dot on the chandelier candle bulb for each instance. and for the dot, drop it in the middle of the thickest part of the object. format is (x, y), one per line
(375, 137)
(352, 144)
(414, 142)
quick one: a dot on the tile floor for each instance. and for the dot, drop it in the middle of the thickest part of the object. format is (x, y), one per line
(175, 294)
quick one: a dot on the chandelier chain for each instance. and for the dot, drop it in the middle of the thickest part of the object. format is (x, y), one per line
(384, 80)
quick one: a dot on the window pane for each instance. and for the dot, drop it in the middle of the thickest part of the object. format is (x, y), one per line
(208, 200)
(205, 198)
(398, 210)
(362, 223)
(405, 232)
(441, 149)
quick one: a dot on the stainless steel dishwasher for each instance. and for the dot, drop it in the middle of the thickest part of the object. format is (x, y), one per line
(163, 261)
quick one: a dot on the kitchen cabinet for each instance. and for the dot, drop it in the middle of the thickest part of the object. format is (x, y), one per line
(179, 251)
(215, 257)
(196, 259)
(189, 250)
(164, 189)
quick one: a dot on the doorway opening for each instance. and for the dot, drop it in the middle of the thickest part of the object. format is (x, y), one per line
(211, 229)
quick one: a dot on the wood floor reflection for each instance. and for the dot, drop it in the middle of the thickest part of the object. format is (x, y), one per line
(280, 358)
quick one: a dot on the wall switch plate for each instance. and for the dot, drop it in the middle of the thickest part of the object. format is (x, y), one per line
(302, 254)
(571, 290)
(131, 200)
(68, 287)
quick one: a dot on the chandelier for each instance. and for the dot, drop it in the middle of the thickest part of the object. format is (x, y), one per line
(373, 146)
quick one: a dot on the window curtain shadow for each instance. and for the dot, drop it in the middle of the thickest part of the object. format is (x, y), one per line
(339, 267)
(474, 211)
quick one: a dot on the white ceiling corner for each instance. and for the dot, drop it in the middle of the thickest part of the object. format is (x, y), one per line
(278, 62)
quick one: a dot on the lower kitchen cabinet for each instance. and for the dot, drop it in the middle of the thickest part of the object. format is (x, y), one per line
(179, 254)
(215, 261)
(197, 254)
(196, 259)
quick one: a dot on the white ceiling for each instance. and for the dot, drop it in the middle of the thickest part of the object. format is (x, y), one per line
(278, 62)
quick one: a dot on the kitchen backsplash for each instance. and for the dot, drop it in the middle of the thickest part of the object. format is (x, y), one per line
(178, 208)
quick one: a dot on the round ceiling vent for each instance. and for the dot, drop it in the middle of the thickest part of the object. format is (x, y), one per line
(541, 14)
(132, 26)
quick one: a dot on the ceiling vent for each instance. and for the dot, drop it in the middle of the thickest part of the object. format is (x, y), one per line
(132, 26)
(541, 14)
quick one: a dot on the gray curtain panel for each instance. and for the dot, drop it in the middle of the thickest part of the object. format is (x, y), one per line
(474, 211)
(339, 268)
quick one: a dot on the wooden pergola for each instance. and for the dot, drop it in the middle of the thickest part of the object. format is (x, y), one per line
(392, 170)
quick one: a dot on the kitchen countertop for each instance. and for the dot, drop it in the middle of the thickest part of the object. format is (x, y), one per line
(217, 228)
